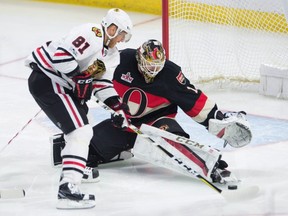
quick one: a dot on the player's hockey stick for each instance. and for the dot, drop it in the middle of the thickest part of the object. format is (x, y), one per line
(12, 193)
(2, 149)
(244, 193)
(15, 193)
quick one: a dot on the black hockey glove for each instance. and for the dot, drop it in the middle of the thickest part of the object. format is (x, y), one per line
(121, 119)
(83, 87)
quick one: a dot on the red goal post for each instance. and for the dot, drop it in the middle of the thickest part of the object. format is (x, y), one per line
(226, 40)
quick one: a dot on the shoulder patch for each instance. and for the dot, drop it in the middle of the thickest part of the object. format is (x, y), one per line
(127, 77)
(97, 31)
(181, 79)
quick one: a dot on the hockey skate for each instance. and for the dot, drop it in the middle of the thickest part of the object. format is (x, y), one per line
(90, 175)
(223, 176)
(69, 197)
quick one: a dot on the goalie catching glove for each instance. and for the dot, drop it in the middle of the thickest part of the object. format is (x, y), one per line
(233, 128)
(83, 86)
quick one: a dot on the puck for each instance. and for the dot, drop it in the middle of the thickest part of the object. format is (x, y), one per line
(232, 187)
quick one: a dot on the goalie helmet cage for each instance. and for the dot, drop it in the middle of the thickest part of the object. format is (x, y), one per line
(225, 41)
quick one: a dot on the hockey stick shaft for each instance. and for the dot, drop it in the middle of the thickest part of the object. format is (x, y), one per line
(21, 130)
(176, 160)
(12, 193)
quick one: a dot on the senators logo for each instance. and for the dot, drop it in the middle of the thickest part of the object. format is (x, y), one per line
(181, 79)
(97, 31)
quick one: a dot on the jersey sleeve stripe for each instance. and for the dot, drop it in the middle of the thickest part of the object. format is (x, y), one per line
(38, 51)
(198, 106)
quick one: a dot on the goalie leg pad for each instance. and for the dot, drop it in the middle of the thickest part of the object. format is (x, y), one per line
(182, 155)
(57, 142)
(205, 153)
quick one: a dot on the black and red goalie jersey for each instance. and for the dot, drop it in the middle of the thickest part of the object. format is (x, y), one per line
(161, 98)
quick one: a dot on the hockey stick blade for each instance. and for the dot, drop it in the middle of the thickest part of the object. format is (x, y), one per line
(12, 194)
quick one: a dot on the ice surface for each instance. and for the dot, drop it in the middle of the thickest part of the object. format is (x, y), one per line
(132, 187)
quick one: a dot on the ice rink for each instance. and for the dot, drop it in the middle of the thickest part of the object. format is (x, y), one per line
(132, 187)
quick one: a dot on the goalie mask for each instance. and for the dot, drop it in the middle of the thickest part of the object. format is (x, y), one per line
(151, 59)
(121, 19)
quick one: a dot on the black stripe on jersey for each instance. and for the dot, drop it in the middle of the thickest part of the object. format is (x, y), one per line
(74, 157)
(66, 59)
(101, 89)
(72, 168)
(39, 64)
(103, 80)
(75, 72)
(108, 82)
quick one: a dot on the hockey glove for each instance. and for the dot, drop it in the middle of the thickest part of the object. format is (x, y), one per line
(233, 128)
(83, 86)
(121, 119)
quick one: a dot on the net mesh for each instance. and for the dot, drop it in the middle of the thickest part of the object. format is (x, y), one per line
(227, 41)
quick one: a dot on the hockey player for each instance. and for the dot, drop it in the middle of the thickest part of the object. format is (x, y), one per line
(154, 88)
(61, 84)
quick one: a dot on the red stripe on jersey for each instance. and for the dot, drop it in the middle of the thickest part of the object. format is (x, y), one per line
(189, 155)
(74, 163)
(198, 106)
(62, 54)
(42, 57)
(97, 86)
(70, 105)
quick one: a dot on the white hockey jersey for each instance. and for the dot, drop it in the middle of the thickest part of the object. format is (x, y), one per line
(79, 48)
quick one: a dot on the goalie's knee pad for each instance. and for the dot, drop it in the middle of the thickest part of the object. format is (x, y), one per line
(57, 144)
(234, 129)
(170, 125)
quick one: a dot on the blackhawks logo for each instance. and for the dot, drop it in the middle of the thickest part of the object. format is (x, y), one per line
(97, 31)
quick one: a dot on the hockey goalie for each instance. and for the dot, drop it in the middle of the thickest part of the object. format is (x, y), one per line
(151, 90)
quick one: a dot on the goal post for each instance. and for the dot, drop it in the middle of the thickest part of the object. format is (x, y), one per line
(225, 40)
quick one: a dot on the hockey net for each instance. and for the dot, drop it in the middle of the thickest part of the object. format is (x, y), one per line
(225, 41)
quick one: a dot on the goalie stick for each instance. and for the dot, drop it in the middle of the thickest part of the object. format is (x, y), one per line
(196, 146)
(227, 194)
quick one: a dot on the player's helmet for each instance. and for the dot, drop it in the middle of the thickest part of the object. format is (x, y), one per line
(119, 18)
(151, 59)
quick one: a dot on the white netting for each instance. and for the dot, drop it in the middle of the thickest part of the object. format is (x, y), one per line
(227, 39)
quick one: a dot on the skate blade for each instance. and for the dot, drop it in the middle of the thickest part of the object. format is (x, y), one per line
(72, 204)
